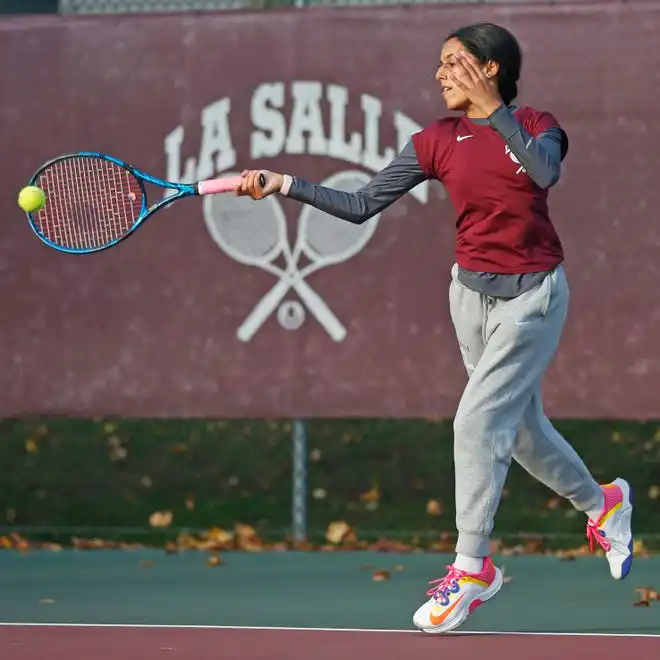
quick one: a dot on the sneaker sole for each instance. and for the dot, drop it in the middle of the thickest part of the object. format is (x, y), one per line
(626, 510)
(492, 590)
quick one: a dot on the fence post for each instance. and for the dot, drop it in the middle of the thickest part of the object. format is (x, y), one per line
(299, 482)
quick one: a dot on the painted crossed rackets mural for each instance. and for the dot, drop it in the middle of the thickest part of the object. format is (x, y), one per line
(256, 233)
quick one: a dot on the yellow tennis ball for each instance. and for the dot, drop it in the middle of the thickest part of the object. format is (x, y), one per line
(31, 199)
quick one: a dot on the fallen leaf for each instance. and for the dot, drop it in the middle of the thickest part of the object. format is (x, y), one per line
(387, 545)
(214, 560)
(51, 547)
(319, 493)
(380, 576)
(566, 555)
(434, 508)
(160, 519)
(186, 542)
(371, 498)
(218, 539)
(646, 595)
(337, 532)
(533, 546)
(117, 451)
(31, 446)
(93, 544)
(130, 546)
(19, 543)
(247, 539)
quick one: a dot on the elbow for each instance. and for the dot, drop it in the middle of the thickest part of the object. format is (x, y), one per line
(365, 216)
(354, 218)
(361, 214)
(548, 179)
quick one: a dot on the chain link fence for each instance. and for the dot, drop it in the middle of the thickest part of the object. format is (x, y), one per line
(166, 6)
(160, 6)
(146, 6)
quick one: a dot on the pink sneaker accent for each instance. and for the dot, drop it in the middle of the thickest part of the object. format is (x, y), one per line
(613, 499)
(449, 583)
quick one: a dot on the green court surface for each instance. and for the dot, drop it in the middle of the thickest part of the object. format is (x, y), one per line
(311, 590)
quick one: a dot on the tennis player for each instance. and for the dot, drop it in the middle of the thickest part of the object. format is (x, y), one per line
(508, 299)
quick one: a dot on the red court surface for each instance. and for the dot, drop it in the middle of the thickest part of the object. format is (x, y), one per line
(20, 642)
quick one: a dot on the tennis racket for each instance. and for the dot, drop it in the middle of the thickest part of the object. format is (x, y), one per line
(94, 201)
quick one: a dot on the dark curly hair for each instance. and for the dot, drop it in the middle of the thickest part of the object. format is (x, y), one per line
(487, 41)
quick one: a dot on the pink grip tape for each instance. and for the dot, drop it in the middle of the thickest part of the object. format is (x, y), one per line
(221, 185)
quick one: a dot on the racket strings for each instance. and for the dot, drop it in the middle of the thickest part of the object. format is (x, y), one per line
(91, 202)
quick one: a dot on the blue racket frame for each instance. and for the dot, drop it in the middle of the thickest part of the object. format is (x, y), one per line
(184, 190)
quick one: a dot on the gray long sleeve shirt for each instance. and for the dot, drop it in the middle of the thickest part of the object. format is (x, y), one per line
(540, 156)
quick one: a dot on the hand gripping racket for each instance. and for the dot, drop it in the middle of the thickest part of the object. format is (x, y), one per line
(93, 200)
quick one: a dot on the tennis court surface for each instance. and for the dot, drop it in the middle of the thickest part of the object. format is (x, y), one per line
(142, 605)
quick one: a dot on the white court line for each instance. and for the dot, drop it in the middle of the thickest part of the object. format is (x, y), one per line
(160, 626)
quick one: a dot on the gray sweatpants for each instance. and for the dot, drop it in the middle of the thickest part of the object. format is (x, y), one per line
(506, 346)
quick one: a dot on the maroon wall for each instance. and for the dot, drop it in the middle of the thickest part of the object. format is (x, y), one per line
(149, 328)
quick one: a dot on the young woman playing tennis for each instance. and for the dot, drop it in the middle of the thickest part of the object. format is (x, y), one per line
(508, 300)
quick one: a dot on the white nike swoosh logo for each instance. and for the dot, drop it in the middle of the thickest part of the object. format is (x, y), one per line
(460, 138)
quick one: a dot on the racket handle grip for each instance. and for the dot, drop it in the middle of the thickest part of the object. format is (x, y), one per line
(223, 184)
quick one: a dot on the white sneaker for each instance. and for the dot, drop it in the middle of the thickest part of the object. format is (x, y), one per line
(456, 596)
(612, 531)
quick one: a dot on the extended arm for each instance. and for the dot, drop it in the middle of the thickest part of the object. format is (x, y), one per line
(394, 181)
(541, 156)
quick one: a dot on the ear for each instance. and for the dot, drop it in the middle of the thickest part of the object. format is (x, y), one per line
(491, 69)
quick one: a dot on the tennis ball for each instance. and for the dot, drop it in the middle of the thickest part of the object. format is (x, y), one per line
(31, 199)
